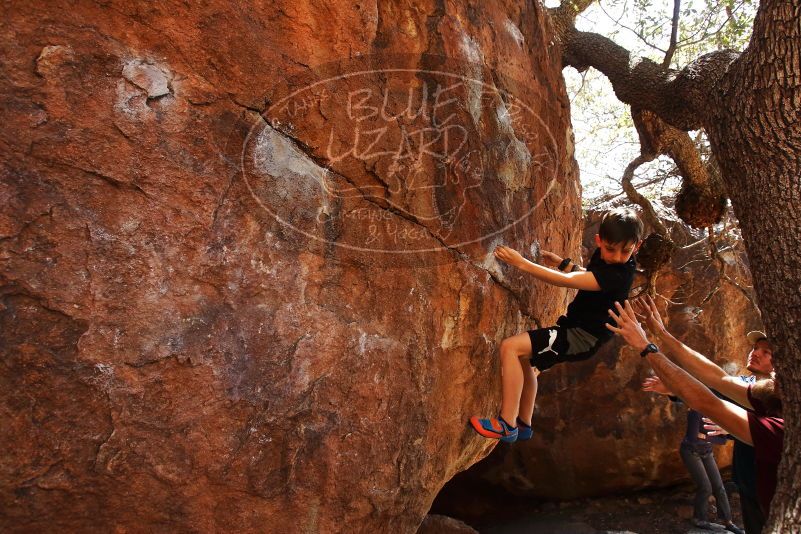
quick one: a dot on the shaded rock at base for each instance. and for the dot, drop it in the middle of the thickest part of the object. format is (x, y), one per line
(440, 524)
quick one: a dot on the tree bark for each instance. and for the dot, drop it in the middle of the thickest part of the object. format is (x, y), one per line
(750, 106)
(755, 132)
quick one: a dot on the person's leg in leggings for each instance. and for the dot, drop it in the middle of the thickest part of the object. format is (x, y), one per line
(713, 474)
(703, 489)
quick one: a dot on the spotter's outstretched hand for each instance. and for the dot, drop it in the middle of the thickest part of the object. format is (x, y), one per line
(713, 429)
(646, 309)
(654, 384)
(627, 326)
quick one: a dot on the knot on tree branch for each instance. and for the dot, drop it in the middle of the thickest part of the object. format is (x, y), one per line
(700, 206)
(655, 252)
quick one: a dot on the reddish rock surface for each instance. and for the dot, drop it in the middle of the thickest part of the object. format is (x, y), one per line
(596, 432)
(197, 330)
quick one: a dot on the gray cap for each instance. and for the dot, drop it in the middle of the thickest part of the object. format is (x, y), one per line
(756, 335)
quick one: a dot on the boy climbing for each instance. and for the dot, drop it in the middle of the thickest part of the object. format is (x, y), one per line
(578, 334)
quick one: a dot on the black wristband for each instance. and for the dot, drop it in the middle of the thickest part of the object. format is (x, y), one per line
(650, 348)
(564, 264)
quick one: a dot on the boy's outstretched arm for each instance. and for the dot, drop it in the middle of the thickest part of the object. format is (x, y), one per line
(577, 280)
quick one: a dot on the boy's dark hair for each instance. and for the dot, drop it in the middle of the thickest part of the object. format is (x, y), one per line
(621, 225)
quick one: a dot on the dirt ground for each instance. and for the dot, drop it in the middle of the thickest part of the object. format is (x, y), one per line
(660, 511)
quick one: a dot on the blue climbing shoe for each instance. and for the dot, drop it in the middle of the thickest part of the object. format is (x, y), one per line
(494, 429)
(524, 431)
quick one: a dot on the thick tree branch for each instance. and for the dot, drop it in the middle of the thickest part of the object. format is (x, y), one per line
(564, 16)
(681, 98)
(664, 102)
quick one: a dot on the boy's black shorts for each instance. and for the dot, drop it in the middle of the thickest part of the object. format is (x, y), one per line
(557, 344)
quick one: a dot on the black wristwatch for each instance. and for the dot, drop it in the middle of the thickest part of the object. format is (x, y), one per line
(649, 348)
(564, 264)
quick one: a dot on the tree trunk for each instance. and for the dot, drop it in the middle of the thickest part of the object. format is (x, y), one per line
(756, 136)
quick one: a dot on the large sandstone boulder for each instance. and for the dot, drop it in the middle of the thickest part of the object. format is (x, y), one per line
(596, 432)
(244, 283)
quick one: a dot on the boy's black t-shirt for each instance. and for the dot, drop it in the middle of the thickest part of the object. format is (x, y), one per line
(589, 310)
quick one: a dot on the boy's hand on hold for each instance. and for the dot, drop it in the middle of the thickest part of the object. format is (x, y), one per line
(549, 258)
(627, 326)
(509, 255)
(655, 385)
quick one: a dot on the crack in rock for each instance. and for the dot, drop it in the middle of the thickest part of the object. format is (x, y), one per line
(289, 153)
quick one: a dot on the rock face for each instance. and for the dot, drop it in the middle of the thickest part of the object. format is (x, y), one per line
(244, 282)
(596, 432)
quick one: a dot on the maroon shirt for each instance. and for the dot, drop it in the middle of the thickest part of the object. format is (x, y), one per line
(767, 433)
